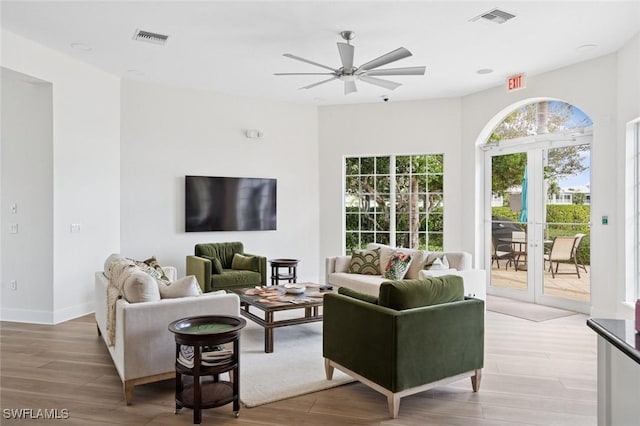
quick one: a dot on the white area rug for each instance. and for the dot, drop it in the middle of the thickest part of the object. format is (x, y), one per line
(296, 366)
(524, 310)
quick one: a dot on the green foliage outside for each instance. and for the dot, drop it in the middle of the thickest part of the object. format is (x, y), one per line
(508, 170)
(418, 182)
(558, 215)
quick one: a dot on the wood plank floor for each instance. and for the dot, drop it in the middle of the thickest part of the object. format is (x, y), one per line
(536, 373)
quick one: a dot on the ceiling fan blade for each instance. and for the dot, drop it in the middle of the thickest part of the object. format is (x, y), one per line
(319, 83)
(399, 71)
(387, 84)
(298, 58)
(396, 55)
(303, 73)
(346, 55)
(350, 87)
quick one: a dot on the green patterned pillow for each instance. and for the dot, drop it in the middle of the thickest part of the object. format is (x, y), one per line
(153, 262)
(365, 262)
(398, 266)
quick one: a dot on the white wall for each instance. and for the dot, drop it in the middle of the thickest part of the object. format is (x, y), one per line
(85, 164)
(419, 127)
(454, 126)
(168, 133)
(593, 87)
(629, 109)
(27, 184)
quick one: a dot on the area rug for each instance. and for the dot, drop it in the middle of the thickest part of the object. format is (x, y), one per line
(524, 310)
(296, 366)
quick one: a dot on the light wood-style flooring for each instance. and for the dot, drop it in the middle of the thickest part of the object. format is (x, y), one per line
(536, 373)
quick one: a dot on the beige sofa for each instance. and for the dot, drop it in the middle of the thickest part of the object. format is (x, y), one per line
(460, 263)
(144, 349)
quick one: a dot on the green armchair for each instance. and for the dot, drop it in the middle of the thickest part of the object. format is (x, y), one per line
(220, 266)
(418, 334)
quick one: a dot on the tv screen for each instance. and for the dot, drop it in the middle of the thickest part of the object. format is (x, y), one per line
(229, 204)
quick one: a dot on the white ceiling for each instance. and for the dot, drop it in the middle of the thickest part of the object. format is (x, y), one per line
(235, 46)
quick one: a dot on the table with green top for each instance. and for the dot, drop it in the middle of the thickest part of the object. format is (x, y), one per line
(203, 333)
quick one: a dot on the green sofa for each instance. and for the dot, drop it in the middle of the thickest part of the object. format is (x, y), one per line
(221, 266)
(416, 335)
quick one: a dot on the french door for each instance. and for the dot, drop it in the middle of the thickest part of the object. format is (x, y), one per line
(527, 220)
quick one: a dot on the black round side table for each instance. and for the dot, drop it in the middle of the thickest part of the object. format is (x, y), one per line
(196, 337)
(290, 265)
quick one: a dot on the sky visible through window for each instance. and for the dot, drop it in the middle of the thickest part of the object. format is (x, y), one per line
(577, 119)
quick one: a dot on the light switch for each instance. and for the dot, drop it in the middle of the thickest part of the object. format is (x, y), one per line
(14, 208)
(13, 228)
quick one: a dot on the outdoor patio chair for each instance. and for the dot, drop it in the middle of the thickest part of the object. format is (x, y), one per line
(562, 251)
(498, 255)
(574, 255)
(519, 247)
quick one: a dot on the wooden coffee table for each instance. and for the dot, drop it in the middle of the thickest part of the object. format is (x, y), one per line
(277, 300)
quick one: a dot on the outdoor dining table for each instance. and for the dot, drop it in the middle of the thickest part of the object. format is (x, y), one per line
(519, 248)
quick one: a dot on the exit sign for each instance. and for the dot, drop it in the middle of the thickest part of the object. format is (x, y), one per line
(515, 82)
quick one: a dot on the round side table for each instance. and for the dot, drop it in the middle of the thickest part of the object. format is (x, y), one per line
(291, 266)
(201, 334)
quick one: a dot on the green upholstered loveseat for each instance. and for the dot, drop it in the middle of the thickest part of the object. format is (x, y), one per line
(416, 335)
(220, 266)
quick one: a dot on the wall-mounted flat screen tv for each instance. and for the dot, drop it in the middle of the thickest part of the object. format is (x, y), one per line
(229, 204)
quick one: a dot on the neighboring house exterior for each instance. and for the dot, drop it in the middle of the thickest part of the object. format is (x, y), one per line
(564, 196)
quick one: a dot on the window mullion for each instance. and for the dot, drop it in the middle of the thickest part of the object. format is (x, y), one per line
(392, 200)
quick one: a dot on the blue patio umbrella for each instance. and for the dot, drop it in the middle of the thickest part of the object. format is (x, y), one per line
(523, 212)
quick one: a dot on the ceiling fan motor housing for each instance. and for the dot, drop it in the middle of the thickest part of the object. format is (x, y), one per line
(348, 73)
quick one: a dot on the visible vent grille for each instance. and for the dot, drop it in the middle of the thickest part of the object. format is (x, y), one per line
(496, 15)
(150, 37)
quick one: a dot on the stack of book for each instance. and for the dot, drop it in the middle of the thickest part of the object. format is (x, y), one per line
(210, 356)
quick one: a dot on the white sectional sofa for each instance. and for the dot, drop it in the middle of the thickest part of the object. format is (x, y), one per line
(144, 349)
(460, 263)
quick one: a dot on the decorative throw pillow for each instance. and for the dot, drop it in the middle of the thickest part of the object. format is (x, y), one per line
(397, 266)
(245, 263)
(153, 263)
(365, 262)
(140, 287)
(107, 263)
(150, 270)
(385, 254)
(183, 287)
(418, 259)
(216, 265)
(437, 263)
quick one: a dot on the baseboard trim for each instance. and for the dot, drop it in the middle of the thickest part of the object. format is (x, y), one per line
(27, 316)
(31, 316)
(71, 312)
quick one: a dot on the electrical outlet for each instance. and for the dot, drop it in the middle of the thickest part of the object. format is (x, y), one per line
(75, 228)
(13, 228)
(14, 285)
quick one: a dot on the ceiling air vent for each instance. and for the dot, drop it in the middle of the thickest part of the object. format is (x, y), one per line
(496, 15)
(150, 37)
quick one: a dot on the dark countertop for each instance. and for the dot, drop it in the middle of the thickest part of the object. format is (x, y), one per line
(620, 333)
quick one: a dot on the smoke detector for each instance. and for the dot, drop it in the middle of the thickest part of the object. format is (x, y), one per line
(495, 15)
(150, 37)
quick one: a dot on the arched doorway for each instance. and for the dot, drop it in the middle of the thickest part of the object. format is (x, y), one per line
(537, 205)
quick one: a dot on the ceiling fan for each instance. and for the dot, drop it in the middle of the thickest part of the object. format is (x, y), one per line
(367, 72)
